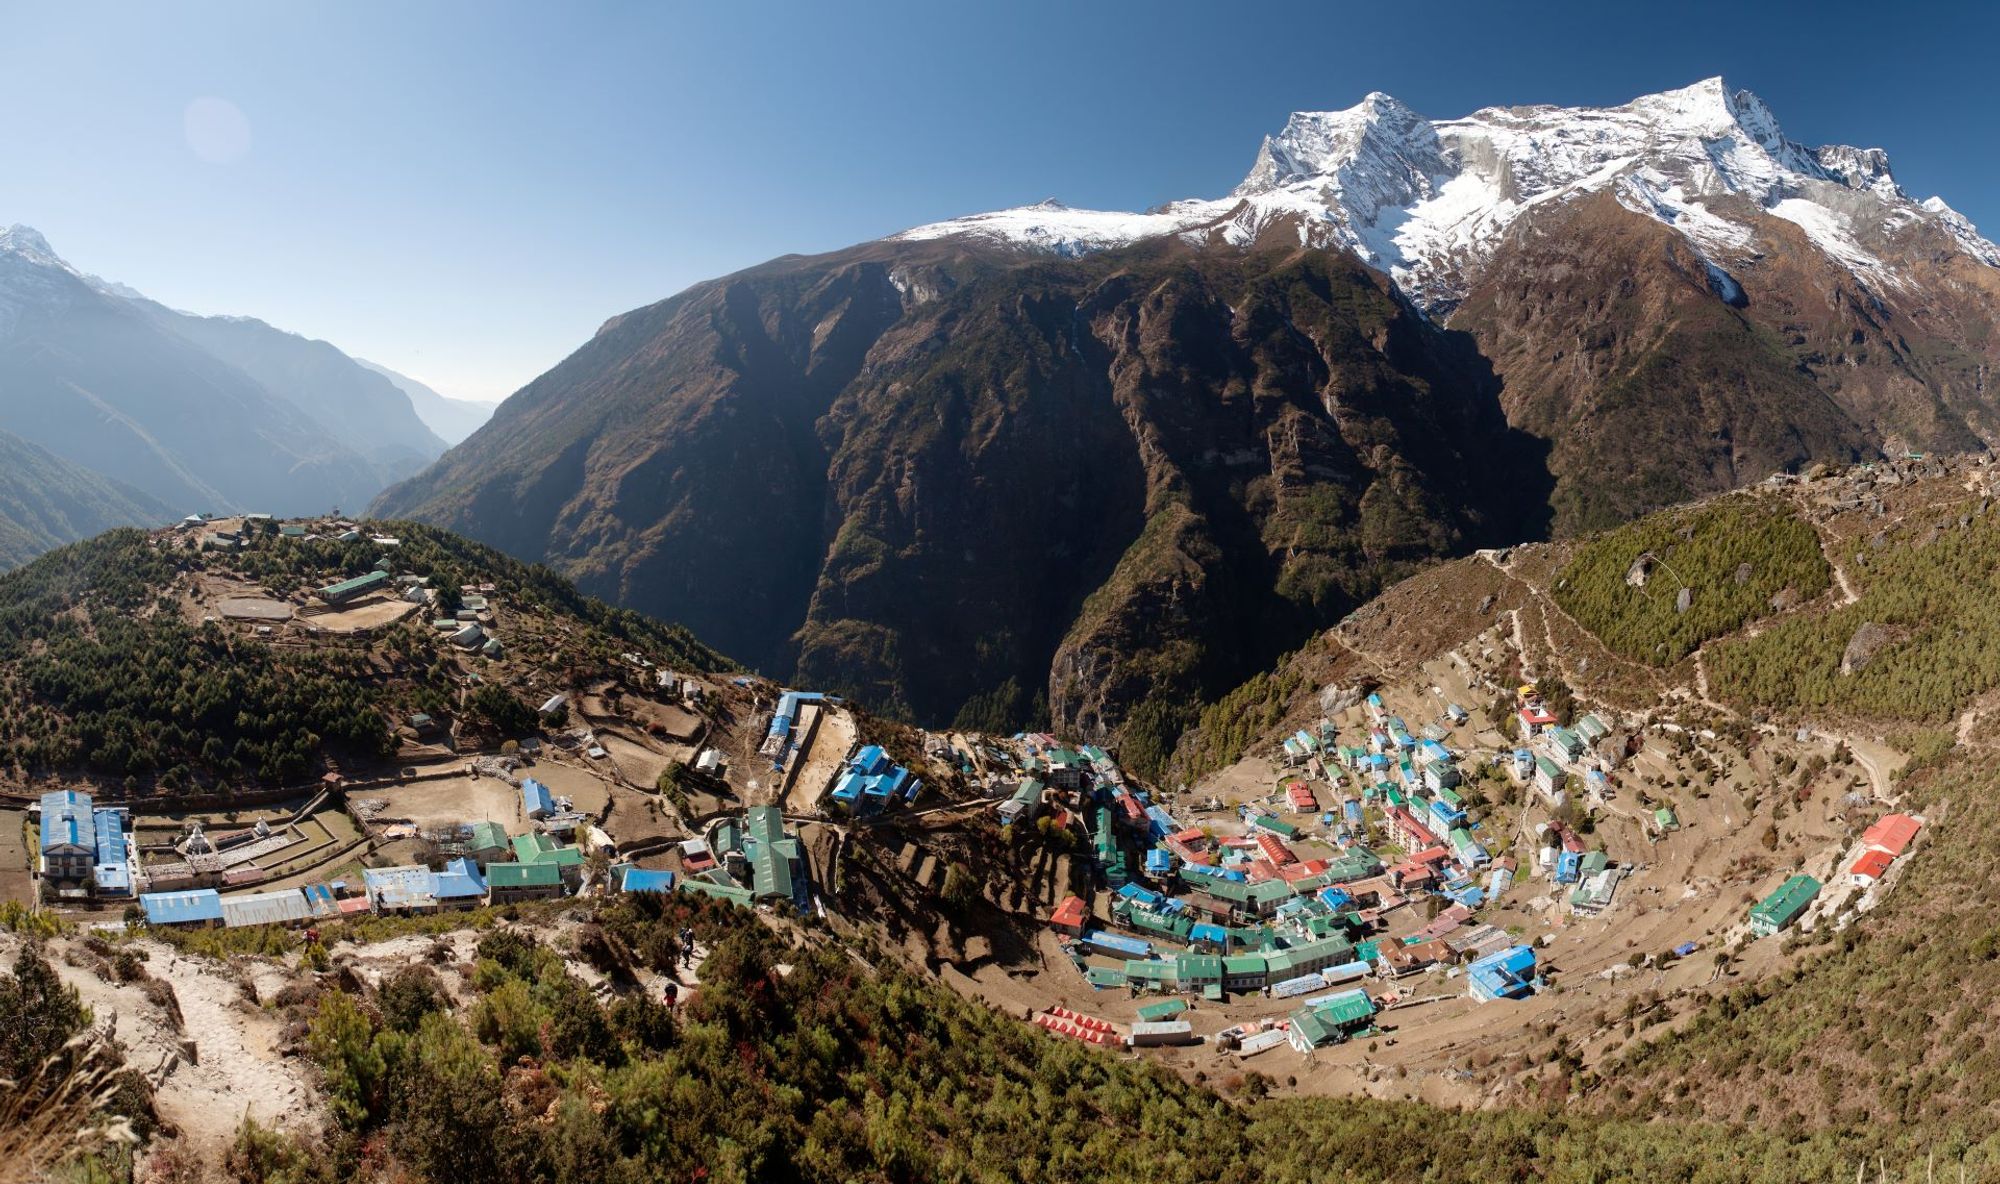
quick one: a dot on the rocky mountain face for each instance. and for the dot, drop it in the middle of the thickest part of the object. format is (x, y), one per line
(1106, 457)
(203, 414)
(963, 480)
(1672, 292)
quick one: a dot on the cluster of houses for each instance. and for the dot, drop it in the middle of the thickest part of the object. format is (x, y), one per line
(1551, 754)
(485, 866)
(1208, 914)
(871, 781)
(746, 861)
(471, 626)
(1882, 844)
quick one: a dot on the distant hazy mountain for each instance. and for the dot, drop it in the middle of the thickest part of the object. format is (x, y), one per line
(452, 419)
(364, 410)
(201, 413)
(46, 501)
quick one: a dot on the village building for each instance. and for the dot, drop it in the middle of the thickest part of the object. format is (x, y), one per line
(638, 879)
(536, 801)
(1564, 744)
(1783, 906)
(350, 590)
(488, 842)
(199, 908)
(510, 882)
(539, 848)
(1332, 1020)
(407, 889)
(287, 906)
(1549, 778)
(1870, 868)
(1507, 974)
(68, 837)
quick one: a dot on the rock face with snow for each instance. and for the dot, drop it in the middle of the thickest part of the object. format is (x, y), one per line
(1674, 293)
(1429, 201)
(1113, 461)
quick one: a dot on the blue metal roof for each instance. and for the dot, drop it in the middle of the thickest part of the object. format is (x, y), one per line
(639, 879)
(1119, 943)
(182, 908)
(535, 798)
(459, 879)
(67, 820)
(401, 887)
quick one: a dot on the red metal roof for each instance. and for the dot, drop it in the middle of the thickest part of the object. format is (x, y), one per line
(1891, 833)
(1302, 796)
(1069, 914)
(1408, 824)
(1872, 864)
(1275, 850)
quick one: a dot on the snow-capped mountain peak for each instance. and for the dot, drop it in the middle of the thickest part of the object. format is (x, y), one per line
(1428, 201)
(28, 242)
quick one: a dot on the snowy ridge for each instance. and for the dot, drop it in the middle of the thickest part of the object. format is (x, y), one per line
(1428, 200)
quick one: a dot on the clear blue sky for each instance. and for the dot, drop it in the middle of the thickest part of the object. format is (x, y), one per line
(464, 191)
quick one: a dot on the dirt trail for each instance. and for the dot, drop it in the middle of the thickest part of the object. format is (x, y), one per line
(237, 1069)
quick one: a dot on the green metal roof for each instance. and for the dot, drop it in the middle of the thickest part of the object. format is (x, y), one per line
(1153, 1013)
(1191, 968)
(1788, 901)
(1348, 1007)
(523, 875)
(487, 835)
(1238, 964)
(1147, 970)
(1326, 951)
(536, 847)
(1315, 1028)
(728, 892)
(360, 583)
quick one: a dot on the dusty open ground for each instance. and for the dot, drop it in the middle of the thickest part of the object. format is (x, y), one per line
(818, 767)
(254, 608)
(448, 800)
(367, 613)
(587, 790)
(15, 881)
(637, 763)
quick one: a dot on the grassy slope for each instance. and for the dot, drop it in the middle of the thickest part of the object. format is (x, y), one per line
(1703, 549)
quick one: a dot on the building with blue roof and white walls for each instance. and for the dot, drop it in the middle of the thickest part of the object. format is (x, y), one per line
(113, 873)
(459, 885)
(68, 837)
(536, 801)
(1509, 974)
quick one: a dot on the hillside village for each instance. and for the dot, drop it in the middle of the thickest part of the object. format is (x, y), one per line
(1447, 861)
